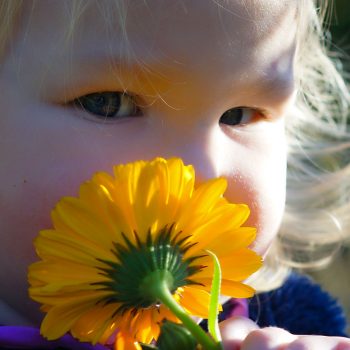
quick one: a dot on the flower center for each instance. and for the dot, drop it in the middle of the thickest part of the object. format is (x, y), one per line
(142, 267)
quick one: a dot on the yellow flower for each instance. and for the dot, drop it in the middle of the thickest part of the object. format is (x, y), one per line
(149, 219)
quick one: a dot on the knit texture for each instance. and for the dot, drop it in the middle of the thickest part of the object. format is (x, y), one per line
(301, 307)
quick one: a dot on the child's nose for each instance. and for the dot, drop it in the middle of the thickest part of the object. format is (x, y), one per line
(194, 145)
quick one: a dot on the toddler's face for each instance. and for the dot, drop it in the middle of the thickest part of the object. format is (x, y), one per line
(204, 81)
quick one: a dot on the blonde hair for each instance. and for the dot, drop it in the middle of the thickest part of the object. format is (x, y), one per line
(316, 221)
(317, 216)
(8, 13)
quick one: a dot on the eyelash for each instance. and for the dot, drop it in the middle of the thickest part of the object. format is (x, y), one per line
(112, 106)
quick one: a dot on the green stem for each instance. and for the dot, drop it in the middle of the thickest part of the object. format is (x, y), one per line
(167, 299)
(213, 322)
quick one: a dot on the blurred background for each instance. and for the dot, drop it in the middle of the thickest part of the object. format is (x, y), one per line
(336, 277)
(340, 25)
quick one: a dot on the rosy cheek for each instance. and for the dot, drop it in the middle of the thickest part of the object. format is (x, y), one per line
(261, 185)
(266, 209)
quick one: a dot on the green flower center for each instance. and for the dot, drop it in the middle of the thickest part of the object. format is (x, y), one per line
(134, 280)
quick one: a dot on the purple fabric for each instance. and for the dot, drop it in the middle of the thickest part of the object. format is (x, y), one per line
(30, 338)
(239, 307)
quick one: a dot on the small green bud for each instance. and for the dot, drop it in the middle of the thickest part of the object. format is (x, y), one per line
(175, 336)
(148, 346)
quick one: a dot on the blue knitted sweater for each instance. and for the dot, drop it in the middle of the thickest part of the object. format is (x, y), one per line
(299, 306)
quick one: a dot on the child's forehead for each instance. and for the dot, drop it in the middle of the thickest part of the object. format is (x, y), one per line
(185, 35)
(166, 26)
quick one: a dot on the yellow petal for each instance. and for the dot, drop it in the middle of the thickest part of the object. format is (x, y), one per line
(110, 330)
(85, 226)
(207, 194)
(93, 323)
(234, 240)
(117, 192)
(203, 201)
(110, 205)
(221, 221)
(237, 266)
(196, 301)
(65, 272)
(236, 289)
(78, 244)
(61, 318)
(125, 341)
(228, 287)
(142, 325)
(240, 265)
(63, 295)
(48, 246)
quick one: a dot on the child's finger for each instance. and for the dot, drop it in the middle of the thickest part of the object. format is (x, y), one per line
(271, 338)
(234, 330)
(319, 343)
(239, 333)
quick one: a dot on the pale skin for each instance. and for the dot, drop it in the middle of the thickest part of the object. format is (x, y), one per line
(189, 63)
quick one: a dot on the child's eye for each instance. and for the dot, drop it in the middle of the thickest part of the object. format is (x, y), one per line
(108, 105)
(239, 116)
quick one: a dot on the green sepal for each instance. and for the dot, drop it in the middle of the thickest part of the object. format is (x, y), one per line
(161, 253)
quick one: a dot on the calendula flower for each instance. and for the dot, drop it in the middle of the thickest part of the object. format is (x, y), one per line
(149, 226)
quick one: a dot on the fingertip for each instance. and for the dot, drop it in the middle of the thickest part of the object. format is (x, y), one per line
(234, 330)
(268, 338)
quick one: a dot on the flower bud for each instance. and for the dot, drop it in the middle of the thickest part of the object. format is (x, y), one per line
(175, 336)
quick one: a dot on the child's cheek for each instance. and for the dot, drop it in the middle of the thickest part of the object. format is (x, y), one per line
(266, 208)
(256, 173)
(45, 154)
